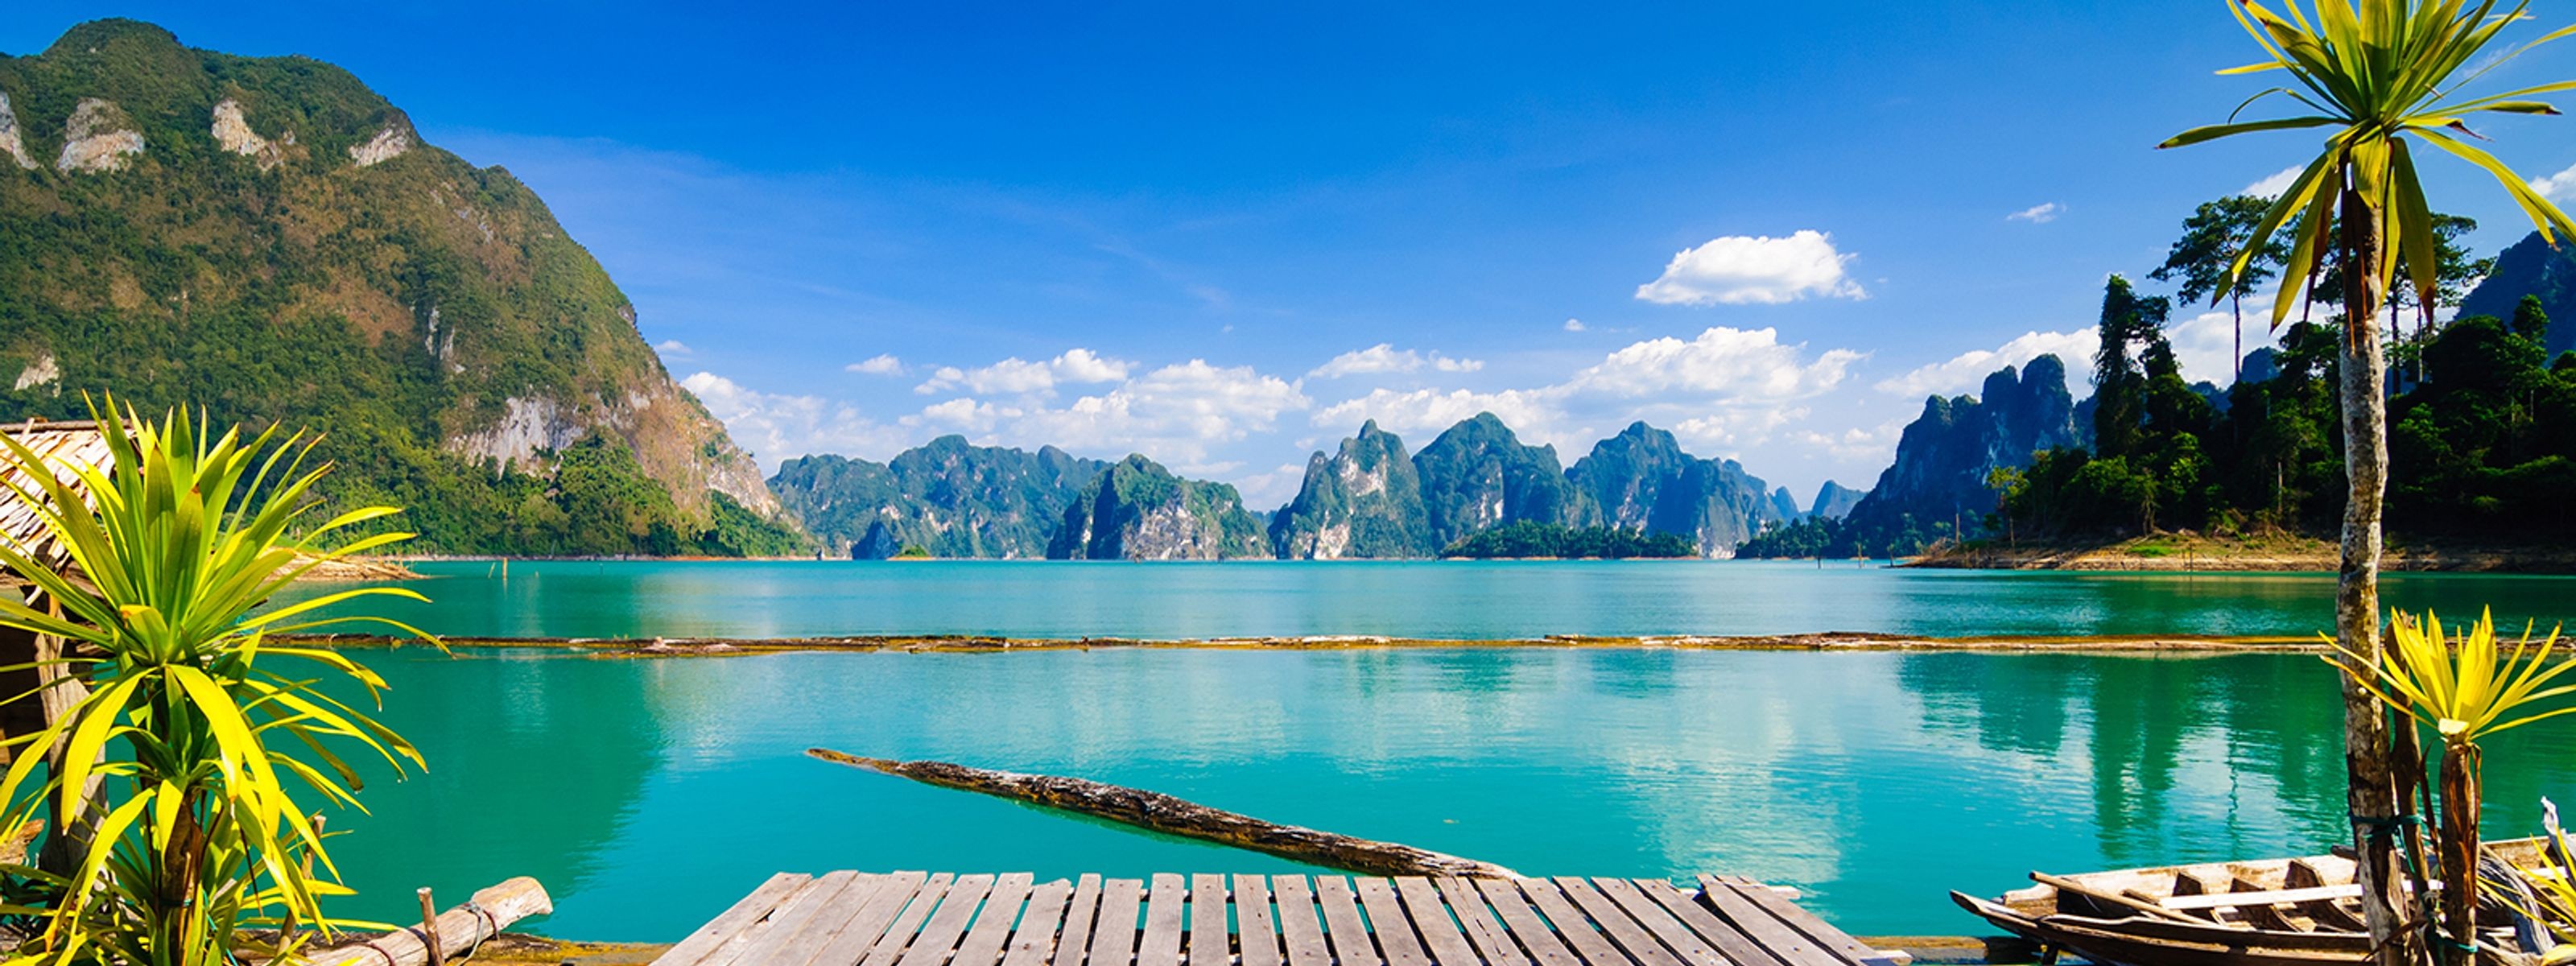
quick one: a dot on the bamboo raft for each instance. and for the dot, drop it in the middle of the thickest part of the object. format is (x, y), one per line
(919, 919)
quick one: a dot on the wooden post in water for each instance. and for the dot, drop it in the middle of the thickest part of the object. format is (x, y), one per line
(429, 928)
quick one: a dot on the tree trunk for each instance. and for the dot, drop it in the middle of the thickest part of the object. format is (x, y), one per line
(2460, 769)
(2371, 793)
(2236, 304)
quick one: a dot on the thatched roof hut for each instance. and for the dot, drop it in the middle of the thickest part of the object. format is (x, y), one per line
(65, 447)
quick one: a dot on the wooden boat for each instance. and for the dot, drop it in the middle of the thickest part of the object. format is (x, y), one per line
(2273, 912)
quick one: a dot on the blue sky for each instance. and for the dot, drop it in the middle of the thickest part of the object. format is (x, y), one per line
(1184, 229)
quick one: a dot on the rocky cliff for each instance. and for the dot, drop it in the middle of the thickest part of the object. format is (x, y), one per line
(268, 238)
(1944, 455)
(1137, 510)
(1478, 475)
(1641, 480)
(946, 497)
(1834, 501)
(1363, 501)
(2531, 267)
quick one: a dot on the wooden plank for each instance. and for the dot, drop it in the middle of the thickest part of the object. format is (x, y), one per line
(1729, 941)
(2259, 896)
(1613, 921)
(1342, 923)
(1164, 906)
(939, 935)
(1394, 929)
(1430, 916)
(731, 922)
(2260, 914)
(1758, 923)
(1807, 923)
(1574, 927)
(795, 935)
(1488, 936)
(1076, 944)
(1298, 927)
(1255, 928)
(1113, 937)
(1208, 924)
(790, 912)
(899, 932)
(1034, 940)
(856, 936)
(983, 943)
(1524, 925)
(1661, 924)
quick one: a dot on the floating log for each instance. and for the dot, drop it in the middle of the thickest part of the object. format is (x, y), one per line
(1164, 813)
(459, 930)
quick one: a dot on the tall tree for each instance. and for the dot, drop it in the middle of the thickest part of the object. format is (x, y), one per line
(2119, 388)
(2382, 76)
(2205, 254)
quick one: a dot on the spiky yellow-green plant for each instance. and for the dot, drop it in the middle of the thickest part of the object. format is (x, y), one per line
(2465, 687)
(174, 772)
(2377, 75)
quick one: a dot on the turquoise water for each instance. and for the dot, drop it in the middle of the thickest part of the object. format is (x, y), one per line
(648, 794)
(1443, 600)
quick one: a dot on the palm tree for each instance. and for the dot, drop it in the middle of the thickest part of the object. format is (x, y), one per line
(2204, 258)
(2383, 76)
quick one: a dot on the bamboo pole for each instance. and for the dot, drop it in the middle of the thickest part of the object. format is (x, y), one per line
(1164, 813)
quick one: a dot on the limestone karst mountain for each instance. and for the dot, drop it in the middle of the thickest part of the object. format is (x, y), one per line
(270, 239)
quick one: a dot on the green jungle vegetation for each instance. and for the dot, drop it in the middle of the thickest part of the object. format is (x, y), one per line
(2482, 427)
(1531, 539)
(394, 307)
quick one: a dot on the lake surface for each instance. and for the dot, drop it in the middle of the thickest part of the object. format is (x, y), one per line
(1448, 600)
(648, 794)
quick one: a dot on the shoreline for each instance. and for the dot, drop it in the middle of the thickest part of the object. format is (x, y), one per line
(1845, 641)
(2273, 553)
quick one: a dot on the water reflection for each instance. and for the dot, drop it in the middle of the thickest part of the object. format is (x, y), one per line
(649, 794)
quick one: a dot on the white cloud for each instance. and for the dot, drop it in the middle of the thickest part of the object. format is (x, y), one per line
(674, 347)
(2557, 187)
(1740, 363)
(1174, 414)
(2038, 214)
(1533, 414)
(775, 427)
(1385, 357)
(2205, 344)
(1271, 490)
(1017, 375)
(1858, 444)
(1574, 325)
(883, 364)
(1725, 387)
(2272, 187)
(1743, 269)
(1967, 371)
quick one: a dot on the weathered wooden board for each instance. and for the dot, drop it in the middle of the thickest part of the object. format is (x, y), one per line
(917, 919)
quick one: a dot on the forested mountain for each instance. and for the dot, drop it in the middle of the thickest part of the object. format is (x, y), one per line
(1834, 501)
(270, 239)
(1478, 475)
(1366, 501)
(1944, 462)
(1363, 501)
(1137, 510)
(947, 498)
(2530, 267)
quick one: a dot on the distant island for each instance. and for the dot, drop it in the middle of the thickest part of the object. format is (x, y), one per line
(1549, 541)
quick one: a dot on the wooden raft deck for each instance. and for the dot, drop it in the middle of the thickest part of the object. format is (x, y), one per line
(919, 919)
